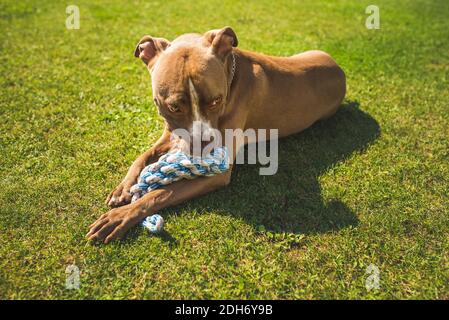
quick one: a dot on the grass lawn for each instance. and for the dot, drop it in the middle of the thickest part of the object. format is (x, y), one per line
(368, 186)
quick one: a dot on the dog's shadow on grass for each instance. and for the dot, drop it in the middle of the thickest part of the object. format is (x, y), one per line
(291, 200)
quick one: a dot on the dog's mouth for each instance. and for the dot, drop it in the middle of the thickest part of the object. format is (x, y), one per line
(199, 140)
(204, 146)
(195, 147)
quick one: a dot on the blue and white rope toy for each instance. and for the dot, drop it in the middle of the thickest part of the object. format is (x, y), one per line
(174, 166)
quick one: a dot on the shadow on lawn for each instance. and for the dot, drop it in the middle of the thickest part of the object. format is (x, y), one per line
(291, 200)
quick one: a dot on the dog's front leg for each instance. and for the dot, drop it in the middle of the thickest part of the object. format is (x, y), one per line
(115, 223)
(120, 195)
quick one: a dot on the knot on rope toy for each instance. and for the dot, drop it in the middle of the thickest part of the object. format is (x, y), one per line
(174, 166)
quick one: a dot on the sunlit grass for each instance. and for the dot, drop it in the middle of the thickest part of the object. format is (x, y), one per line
(369, 186)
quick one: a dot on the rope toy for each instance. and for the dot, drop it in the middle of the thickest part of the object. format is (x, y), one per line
(174, 166)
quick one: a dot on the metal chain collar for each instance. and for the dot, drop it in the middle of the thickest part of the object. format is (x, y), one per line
(232, 68)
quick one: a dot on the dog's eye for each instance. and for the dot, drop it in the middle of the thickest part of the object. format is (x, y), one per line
(173, 108)
(215, 103)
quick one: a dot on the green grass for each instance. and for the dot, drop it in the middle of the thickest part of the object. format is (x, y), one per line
(368, 186)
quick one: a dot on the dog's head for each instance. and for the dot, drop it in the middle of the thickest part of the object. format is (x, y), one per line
(190, 76)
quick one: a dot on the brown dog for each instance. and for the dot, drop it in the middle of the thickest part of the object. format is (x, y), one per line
(206, 78)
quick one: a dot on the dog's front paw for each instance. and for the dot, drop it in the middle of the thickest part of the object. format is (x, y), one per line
(114, 224)
(120, 195)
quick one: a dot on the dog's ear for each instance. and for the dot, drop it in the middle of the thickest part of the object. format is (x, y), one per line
(221, 41)
(148, 48)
